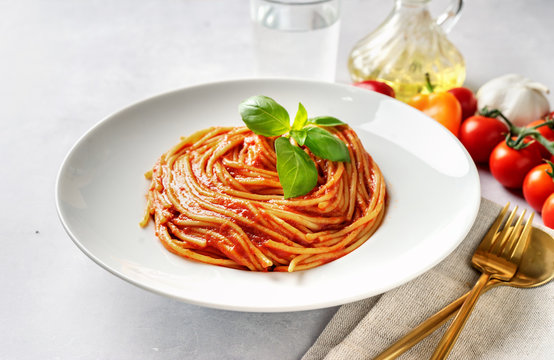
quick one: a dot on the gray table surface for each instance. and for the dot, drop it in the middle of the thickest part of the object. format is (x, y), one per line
(64, 65)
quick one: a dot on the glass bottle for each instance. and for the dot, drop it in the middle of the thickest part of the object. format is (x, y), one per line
(406, 46)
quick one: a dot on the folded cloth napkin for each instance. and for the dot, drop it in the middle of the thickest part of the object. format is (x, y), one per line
(507, 323)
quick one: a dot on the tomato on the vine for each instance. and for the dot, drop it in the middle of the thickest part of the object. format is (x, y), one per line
(376, 86)
(548, 212)
(547, 132)
(480, 134)
(467, 101)
(538, 185)
(509, 166)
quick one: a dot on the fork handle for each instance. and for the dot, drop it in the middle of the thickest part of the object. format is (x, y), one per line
(427, 327)
(451, 335)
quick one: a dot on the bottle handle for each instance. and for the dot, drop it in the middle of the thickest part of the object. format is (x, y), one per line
(448, 19)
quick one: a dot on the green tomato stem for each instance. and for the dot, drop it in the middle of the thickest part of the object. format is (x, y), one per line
(428, 84)
(550, 171)
(522, 132)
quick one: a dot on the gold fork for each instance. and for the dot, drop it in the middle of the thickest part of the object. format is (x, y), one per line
(407, 342)
(497, 257)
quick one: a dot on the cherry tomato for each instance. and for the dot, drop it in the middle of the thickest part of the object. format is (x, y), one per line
(467, 100)
(376, 86)
(547, 133)
(510, 166)
(538, 185)
(541, 149)
(545, 130)
(548, 212)
(441, 106)
(480, 134)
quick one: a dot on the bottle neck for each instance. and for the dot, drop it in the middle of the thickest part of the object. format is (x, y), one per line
(411, 4)
(411, 11)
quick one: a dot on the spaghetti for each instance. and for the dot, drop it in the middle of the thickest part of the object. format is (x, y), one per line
(216, 198)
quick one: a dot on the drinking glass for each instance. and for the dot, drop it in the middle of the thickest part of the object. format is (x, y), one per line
(296, 38)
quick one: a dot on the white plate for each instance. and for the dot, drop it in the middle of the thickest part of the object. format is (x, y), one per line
(433, 196)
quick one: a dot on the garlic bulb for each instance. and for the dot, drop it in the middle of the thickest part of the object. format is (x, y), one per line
(518, 98)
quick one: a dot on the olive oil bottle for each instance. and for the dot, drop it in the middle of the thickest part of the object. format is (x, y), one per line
(406, 46)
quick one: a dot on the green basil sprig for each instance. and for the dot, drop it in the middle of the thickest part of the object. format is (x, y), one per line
(297, 172)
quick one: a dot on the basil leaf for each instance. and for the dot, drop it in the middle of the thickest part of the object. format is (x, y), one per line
(264, 116)
(326, 121)
(326, 145)
(301, 117)
(299, 136)
(296, 170)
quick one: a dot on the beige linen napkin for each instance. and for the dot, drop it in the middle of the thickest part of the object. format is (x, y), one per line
(507, 323)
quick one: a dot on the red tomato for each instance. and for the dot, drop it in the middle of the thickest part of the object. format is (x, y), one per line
(467, 100)
(510, 166)
(480, 134)
(547, 133)
(548, 212)
(376, 86)
(537, 186)
(534, 144)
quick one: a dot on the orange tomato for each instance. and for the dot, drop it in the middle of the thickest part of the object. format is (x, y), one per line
(441, 106)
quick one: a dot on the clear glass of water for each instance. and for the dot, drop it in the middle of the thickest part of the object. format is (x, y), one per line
(296, 38)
